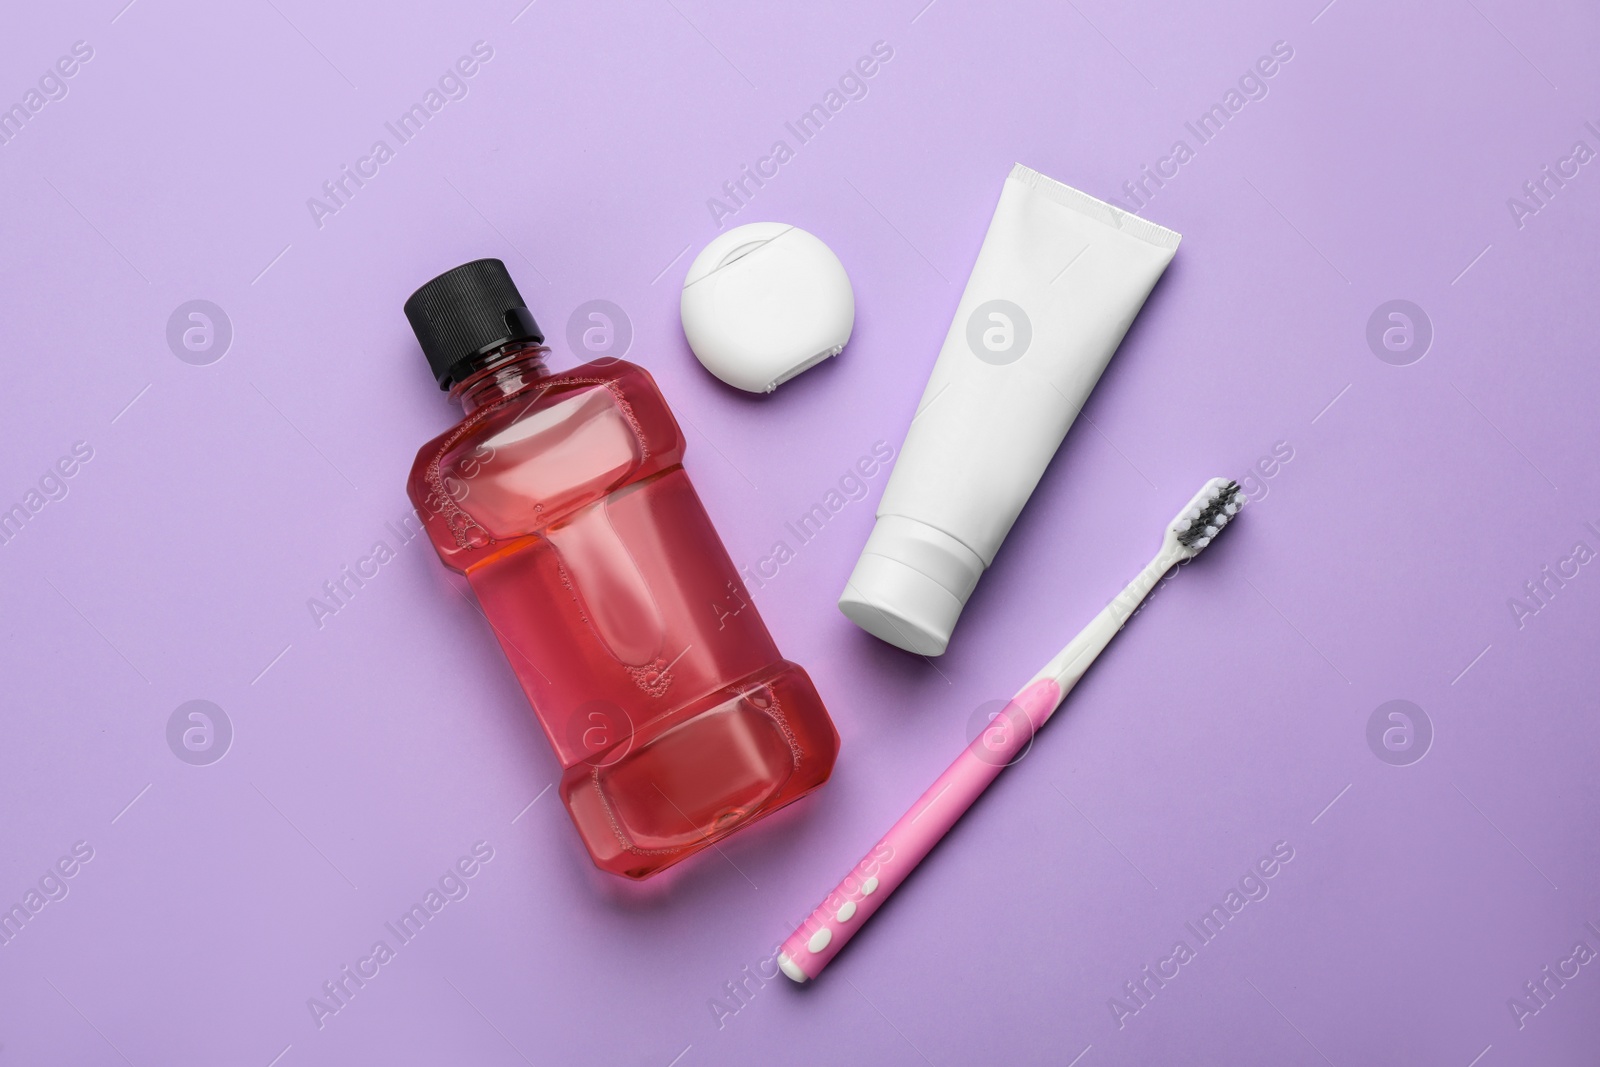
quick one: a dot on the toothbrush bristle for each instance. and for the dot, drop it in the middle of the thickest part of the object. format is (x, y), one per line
(1207, 514)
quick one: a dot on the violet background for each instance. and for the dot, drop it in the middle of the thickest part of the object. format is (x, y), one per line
(375, 751)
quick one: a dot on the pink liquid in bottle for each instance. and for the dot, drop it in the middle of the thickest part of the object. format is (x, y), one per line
(563, 499)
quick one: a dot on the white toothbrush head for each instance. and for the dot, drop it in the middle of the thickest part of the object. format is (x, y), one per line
(1198, 524)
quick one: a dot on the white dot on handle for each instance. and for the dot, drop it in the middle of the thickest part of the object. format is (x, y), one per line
(820, 939)
(869, 887)
(846, 912)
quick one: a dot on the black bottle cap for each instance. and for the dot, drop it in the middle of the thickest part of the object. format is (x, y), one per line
(466, 313)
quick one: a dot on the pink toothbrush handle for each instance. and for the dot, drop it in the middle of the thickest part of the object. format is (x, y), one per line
(868, 885)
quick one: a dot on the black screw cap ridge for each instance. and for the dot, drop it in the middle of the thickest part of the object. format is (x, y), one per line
(467, 312)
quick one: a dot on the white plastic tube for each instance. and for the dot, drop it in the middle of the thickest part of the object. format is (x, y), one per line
(1058, 282)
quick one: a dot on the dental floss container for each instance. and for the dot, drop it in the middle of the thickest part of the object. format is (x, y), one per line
(765, 301)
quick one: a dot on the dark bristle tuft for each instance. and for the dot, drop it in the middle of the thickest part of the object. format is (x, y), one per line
(1214, 515)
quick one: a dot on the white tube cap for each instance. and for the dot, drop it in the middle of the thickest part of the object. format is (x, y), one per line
(910, 585)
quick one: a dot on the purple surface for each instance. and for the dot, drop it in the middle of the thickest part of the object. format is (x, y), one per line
(368, 755)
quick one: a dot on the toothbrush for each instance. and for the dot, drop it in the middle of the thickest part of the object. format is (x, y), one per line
(863, 891)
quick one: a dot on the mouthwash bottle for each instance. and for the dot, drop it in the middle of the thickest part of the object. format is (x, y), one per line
(563, 499)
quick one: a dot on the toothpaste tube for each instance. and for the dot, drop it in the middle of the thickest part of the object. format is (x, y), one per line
(1058, 282)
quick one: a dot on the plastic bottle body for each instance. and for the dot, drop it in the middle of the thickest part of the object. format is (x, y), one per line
(563, 500)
